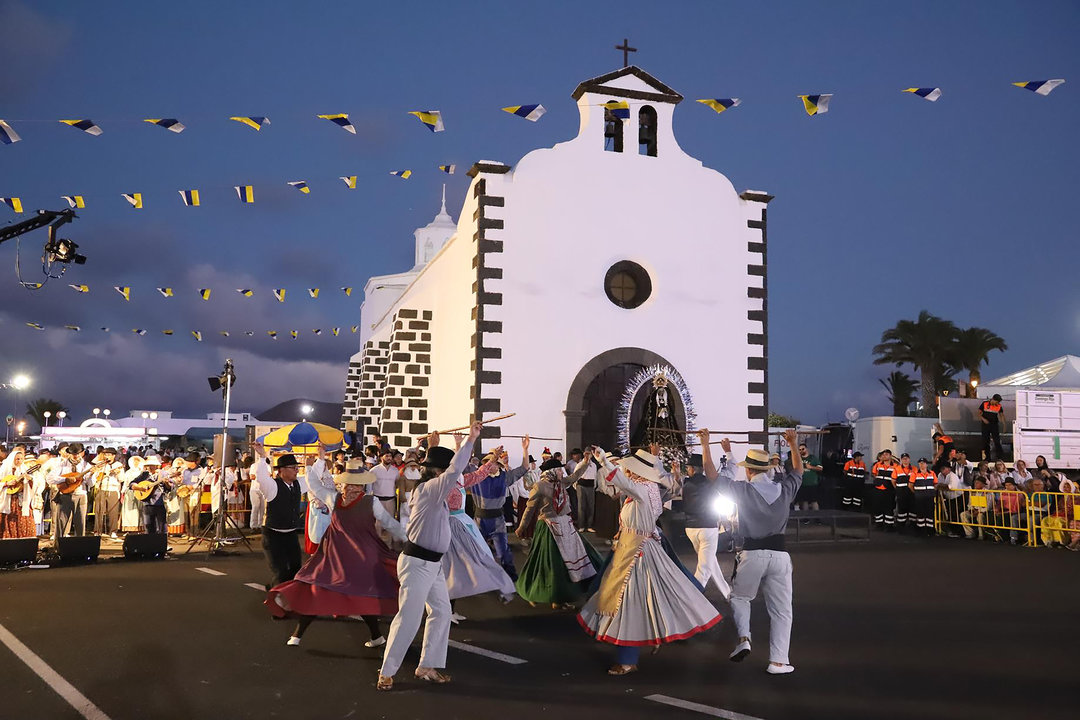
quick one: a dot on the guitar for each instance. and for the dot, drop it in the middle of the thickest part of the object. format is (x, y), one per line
(74, 480)
(13, 484)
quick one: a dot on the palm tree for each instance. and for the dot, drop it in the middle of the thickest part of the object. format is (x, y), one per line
(39, 407)
(972, 350)
(901, 389)
(927, 345)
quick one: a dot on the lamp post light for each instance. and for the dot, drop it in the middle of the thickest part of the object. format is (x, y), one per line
(97, 411)
(47, 414)
(106, 412)
(20, 428)
(305, 411)
(60, 416)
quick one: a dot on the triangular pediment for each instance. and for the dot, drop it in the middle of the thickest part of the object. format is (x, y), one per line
(629, 82)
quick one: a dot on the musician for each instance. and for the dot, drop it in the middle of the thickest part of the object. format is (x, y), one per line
(16, 516)
(153, 507)
(192, 477)
(47, 459)
(107, 499)
(131, 508)
(69, 509)
(282, 493)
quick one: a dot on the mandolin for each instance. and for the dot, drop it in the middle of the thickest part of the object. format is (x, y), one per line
(13, 484)
(145, 488)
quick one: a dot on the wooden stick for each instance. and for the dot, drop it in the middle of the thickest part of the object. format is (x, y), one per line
(482, 422)
(531, 437)
(745, 432)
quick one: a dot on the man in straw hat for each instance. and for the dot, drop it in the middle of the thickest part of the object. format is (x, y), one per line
(351, 573)
(153, 507)
(420, 568)
(763, 504)
(279, 540)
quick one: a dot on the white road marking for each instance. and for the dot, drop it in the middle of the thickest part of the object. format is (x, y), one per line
(256, 586)
(698, 707)
(210, 571)
(62, 687)
(510, 659)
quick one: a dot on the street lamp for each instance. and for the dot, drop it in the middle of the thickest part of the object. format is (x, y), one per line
(97, 411)
(61, 415)
(20, 382)
(20, 427)
(47, 414)
(106, 412)
(153, 416)
(305, 411)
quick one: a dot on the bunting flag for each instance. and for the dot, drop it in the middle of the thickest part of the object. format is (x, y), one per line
(7, 134)
(354, 328)
(246, 292)
(347, 291)
(104, 329)
(190, 197)
(335, 331)
(166, 332)
(931, 94)
(272, 334)
(87, 126)
(249, 333)
(294, 334)
(404, 174)
(171, 124)
(1040, 87)
(36, 326)
(341, 120)
(317, 332)
(80, 288)
(301, 186)
(618, 108)
(313, 293)
(721, 104)
(197, 335)
(204, 293)
(816, 104)
(255, 122)
(246, 193)
(431, 118)
(350, 181)
(279, 293)
(165, 291)
(125, 291)
(74, 328)
(75, 201)
(32, 286)
(135, 199)
(448, 169)
(138, 331)
(531, 113)
(13, 203)
(224, 333)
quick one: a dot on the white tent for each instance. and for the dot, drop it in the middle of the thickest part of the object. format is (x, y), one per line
(1062, 373)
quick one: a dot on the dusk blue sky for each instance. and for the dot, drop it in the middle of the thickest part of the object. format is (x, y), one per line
(885, 206)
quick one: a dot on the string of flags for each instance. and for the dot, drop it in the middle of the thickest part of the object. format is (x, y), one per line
(198, 335)
(203, 293)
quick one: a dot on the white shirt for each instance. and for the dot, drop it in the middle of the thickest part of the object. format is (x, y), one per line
(267, 485)
(66, 466)
(326, 493)
(953, 482)
(110, 480)
(385, 480)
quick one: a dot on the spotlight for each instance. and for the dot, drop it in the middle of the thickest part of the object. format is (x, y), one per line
(64, 251)
(226, 378)
(724, 506)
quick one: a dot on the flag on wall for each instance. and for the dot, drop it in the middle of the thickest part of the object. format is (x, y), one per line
(404, 174)
(431, 118)
(80, 288)
(171, 124)
(135, 199)
(341, 120)
(7, 134)
(190, 197)
(350, 181)
(448, 169)
(75, 201)
(721, 104)
(1041, 87)
(279, 293)
(256, 122)
(301, 186)
(246, 193)
(246, 292)
(165, 291)
(618, 108)
(931, 94)
(816, 104)
(529, 112)
(204, 293)
(87, 126)
(13, 203)
(125, 291)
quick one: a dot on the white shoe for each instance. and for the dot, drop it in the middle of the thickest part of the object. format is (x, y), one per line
(456, 618)
(293, 641)
(377, 642)
(740, 652)
(779, 669)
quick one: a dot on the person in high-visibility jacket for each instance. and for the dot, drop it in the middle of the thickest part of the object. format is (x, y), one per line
(991, 414)
(854, 478)
(901, 474)
(923, 484)
(884, 492)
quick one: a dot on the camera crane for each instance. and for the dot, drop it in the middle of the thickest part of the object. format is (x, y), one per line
(58, 250)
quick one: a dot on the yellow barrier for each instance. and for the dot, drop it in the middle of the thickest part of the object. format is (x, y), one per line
(1001, 515)
(1055, 518)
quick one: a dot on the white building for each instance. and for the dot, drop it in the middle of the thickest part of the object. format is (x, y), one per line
(566, 275)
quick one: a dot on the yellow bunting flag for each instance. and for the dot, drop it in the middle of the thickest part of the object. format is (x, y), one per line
(125, 291)
(138, 331)
(197, 335)
(350, 181)
(73, 328)
(448, 169)
(87, 126)
(190, 197)
(335, 331)
(246, 193)
(404, 174)
(272, 334)
(816, 104)
(171, 124)
(294, 334)
(75, 201)
(165, 291)
(279, 293)
(432, 119)
(354, 328)
(224, 333)
(204, 293)
(347, 291)
(317, 331)
(254, 122)
(80, 288)
(135, 199)
(341, 120)
(166, 332)
(301, 186)
(13, 203)
(32, 286)
(313, 292)
(36, 326)
(246, 292)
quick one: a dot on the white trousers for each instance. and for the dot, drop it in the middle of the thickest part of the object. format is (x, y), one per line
(423, 585)
(771, 571)
(705, 542)
(258, 509)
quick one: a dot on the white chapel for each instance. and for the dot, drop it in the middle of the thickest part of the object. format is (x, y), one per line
(574, 283)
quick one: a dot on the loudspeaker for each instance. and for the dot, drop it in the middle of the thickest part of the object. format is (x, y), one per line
(145, 546)
(230, 452)
(79, 549)
(18, 551)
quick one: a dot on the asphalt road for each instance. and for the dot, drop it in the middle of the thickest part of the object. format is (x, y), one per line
(897, 628)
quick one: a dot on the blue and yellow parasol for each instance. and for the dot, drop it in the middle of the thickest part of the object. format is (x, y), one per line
(302, 437)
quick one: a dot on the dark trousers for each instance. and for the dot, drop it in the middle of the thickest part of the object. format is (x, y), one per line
(883, 502)
(153, 519)
(991, 437)
(904, 508)
(494, 531)
(853, 490)
(282, 551)
(922, 504)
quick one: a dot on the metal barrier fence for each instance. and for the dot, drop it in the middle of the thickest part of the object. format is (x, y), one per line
(1009, 515)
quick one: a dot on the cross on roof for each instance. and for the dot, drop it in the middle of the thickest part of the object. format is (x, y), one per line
(626, 50)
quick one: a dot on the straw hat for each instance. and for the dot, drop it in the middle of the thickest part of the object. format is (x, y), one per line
(151, 460)
(356, 473)
(642, 464)
(135, 462)
(756, 460)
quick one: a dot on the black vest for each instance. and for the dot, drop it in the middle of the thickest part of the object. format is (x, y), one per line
(283, 512)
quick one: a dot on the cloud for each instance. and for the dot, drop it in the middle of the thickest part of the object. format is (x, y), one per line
(30, 45)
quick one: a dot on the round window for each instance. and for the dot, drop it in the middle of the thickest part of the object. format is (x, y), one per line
(627, 284)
